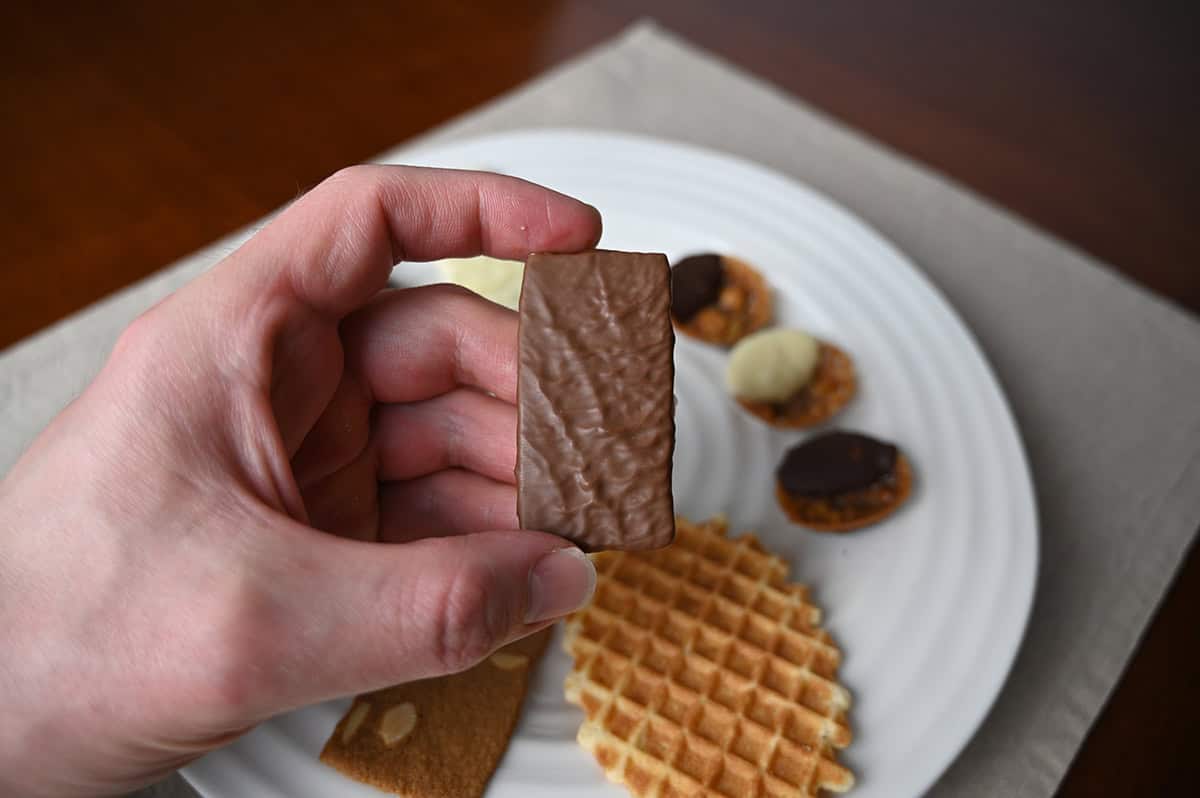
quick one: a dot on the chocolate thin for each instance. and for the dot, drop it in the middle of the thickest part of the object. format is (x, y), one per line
(595, 399)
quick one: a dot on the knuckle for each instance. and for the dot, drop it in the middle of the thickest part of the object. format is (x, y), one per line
(235, 651)
(138, 336)
(453, 294)
(458, 305)
(356, 174)
(471, 624)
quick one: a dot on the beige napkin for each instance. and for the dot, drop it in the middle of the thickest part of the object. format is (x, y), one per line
(1104, 378)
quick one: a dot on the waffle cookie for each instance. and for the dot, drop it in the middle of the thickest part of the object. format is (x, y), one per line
(437, 738)
(702, 671)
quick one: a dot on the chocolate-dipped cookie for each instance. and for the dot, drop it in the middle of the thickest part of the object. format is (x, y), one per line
(789, 379)
(840, 481)
(718, 299)
(595, 399)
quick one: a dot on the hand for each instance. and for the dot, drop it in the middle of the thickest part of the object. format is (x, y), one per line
(284, 486)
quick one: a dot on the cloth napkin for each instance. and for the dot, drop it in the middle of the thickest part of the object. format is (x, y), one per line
(1104, 378)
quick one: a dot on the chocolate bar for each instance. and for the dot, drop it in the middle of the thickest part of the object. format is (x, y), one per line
(595, 398)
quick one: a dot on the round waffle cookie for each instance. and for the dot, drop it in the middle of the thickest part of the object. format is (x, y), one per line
(703, 672)
(832, 386)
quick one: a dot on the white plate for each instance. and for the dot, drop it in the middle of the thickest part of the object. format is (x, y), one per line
(929, 607)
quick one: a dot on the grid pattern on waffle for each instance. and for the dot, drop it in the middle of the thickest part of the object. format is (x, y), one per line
(702, 671)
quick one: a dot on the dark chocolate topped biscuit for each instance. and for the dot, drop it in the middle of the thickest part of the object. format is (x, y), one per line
(695, 283)
(842, 481)
(719, 299)
(836, 462)
(595, 397)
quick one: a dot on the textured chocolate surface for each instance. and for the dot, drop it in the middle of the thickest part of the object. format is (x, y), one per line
(595, 396)
(836, 462)
(695, 284)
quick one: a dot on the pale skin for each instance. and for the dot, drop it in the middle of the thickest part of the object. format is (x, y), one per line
(285, 485)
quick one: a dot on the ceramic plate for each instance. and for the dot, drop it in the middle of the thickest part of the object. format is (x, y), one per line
(929, 607)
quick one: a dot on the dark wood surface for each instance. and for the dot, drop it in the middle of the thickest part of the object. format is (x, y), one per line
(135, 132)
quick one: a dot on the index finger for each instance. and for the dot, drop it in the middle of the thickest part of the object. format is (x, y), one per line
(335, 247)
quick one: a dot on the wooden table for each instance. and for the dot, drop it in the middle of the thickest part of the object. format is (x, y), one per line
(136, 132)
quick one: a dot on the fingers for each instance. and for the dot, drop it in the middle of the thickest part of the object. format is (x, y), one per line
(269, 313)
(453, 502)
(418, 342)
(346, 502)
(339, 435)
(460, 429)
(334, 247)
(447, 463)
(364, 616)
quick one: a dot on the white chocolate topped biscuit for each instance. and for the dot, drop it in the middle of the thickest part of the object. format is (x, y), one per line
(771, 365)
(497, 280)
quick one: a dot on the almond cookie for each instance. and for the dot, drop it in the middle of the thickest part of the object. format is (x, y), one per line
(437, 738)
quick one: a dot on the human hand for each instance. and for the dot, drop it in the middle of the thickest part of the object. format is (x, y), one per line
(284, 486)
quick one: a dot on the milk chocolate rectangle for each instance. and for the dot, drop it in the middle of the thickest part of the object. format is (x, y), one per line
(595, 396)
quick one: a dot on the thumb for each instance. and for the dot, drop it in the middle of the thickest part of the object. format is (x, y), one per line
(381, 614)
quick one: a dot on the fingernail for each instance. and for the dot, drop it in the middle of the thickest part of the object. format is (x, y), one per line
(559, 583)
